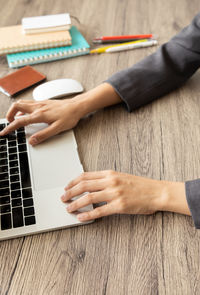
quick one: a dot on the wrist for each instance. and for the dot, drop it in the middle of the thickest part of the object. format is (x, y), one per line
(173, 198)
(102, 96)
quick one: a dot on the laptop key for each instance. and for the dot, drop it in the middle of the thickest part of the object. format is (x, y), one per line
(6, 221)
(4, 183)
(4, 200)
(28, 202)
(2, 141)
(15, 185)
(13, 164)
(3, 169)
(27, 193)
(16, 202)
(21, 140)
(3, 162)
(14, 178)
(29, 211)
(4, 176)
(30, 220)
(21, 134)
(22, 148)
(24, 168)
(12, 143)
(4, 192)
(17, 215)
(5, 209)
(13, 157)
(16, 194)
(3, 155)
(12, 150)
(11, 136)
(2, 126)
(3, 148)
(14, 171)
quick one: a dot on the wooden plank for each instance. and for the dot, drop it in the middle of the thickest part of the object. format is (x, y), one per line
(120, 255)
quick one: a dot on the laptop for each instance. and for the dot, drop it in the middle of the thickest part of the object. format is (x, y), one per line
(32, 180)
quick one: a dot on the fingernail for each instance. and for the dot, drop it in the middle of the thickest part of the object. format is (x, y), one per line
(69, 208)
(33, 141)
(82, 216)
(62, 198)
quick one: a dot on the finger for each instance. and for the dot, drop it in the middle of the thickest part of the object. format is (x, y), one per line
(20, 114)
(97, 213)
(86, 200)
(20, 122)
(84, 186)
(42, 135)
(27, 101)
(87, 176)
(19, 106)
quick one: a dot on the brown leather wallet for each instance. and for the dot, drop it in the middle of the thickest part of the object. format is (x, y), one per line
(20, 80)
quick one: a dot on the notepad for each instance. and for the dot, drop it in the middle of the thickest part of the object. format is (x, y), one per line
(79, 47)
(19, 80)
(45, 23)
(12, 40)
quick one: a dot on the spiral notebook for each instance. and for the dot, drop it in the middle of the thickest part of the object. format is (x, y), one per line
(79, 47)
(12, 40)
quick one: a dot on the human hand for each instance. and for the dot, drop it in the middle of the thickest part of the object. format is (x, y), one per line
(60, 115)
(123, 193)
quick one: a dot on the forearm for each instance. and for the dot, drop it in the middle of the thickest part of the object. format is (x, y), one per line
(99, 97)
(173, 198)
(156, 75)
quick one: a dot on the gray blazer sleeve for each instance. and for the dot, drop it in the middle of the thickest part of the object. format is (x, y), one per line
(158, 74)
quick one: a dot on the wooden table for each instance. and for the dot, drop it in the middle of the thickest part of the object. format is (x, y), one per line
(120, 255)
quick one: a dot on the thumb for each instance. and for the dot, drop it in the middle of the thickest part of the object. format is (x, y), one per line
(44, 134)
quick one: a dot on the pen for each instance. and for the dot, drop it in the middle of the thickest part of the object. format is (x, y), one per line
(119, 39)
(131, 46)
(103, 49)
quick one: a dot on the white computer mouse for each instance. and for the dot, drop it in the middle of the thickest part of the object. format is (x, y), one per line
(57, 88)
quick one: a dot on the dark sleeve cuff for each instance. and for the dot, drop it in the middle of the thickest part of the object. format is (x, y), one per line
(193, 198)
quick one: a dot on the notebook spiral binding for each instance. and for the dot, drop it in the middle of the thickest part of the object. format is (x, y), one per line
(50, 57)
(79, 47)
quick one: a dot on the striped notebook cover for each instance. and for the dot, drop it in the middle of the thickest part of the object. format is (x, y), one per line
(79, 47)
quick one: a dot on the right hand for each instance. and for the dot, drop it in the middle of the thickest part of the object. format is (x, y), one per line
(60, 115)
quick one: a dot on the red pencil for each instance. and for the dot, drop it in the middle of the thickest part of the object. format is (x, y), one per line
(119, 39)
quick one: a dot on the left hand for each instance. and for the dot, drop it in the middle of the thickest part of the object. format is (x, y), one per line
(123, 193)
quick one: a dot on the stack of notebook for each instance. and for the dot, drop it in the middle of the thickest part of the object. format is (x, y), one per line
(79, 47)
(41, 39)
(16, 38)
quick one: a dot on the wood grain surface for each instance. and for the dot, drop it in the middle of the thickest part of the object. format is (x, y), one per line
(119, 255)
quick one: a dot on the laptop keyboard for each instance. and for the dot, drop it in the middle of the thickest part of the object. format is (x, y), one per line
(16, 199)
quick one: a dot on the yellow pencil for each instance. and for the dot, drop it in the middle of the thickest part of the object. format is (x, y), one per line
(103, 49)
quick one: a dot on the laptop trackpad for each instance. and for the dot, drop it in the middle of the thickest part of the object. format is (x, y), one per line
(55, 162)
